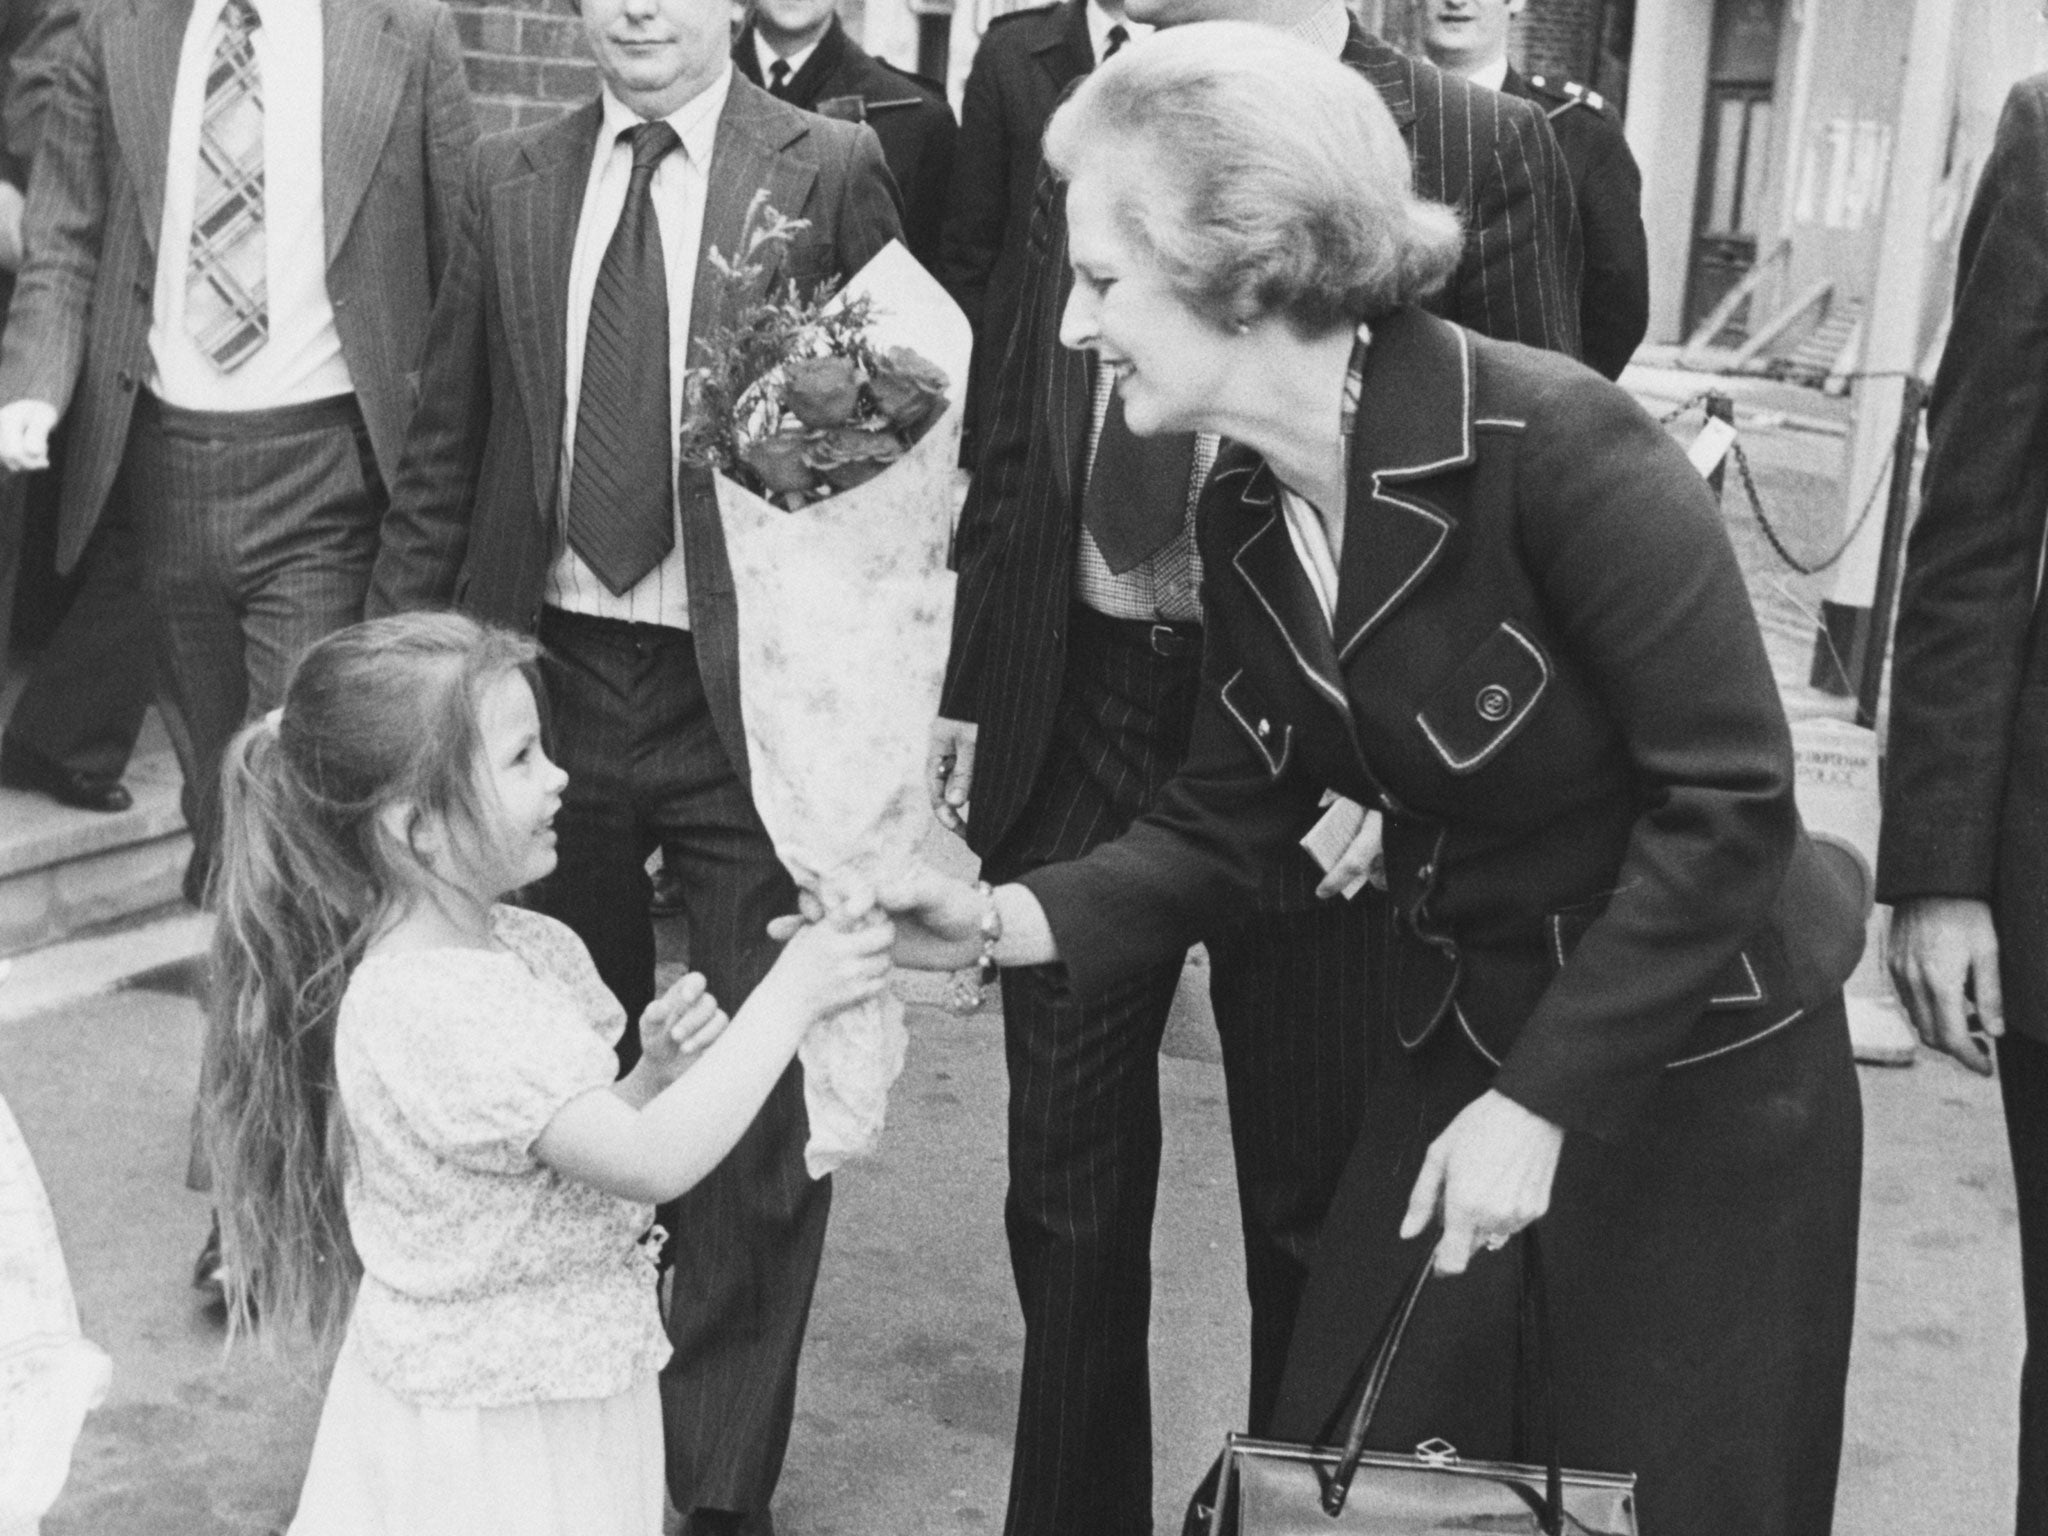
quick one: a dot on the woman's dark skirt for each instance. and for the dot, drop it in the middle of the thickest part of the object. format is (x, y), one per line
(1702, 1280)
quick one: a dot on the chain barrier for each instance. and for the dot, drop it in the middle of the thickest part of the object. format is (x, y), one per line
(1696, 401)
(1756, 504)
(1756, 507)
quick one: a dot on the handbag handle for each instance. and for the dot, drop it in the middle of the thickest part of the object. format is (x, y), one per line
(1371, 1381)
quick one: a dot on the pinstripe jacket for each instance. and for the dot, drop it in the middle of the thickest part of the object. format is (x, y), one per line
(396, 133)
(1545, 672)
(1489, 155)
(475, 514)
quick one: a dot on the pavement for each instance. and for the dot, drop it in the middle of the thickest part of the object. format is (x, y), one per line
(910, 1374)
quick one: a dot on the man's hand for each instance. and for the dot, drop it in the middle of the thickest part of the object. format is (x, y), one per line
(11, 204)
(1363, 859)
(1490, 1175)
(949, 771)
(1943, 954)
(25, 428)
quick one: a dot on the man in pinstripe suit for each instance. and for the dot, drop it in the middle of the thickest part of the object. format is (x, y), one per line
(1072, 685)
(79, 714)
(539, 492)
(234, 400)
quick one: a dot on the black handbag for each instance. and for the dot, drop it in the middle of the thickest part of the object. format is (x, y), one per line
(1272, 1488)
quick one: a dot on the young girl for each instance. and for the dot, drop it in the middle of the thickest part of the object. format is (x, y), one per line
(484, 1174)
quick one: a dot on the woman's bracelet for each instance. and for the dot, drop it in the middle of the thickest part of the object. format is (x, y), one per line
(991, 928)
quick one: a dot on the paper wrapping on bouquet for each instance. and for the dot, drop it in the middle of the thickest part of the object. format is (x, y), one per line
(845, 618)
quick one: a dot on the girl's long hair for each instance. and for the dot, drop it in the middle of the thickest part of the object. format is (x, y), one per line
(380, 714)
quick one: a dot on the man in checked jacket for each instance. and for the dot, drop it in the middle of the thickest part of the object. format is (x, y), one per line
(1067, 708)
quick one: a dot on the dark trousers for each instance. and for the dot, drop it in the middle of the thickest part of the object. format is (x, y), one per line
(2023, 1084)
(257, 532)
(1084, 1104)
(631, 727)
(1289, 991)
(82, 707)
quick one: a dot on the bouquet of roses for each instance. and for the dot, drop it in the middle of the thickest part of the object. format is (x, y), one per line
(832, 443)
(800, 400)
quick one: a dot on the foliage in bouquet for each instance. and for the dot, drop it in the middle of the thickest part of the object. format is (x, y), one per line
(794, 400)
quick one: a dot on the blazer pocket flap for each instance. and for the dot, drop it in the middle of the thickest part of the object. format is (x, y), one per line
(1271, 739)
(1489, 697)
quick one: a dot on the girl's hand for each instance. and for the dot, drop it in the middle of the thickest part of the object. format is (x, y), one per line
(837, 962)
(677, 1026)
(1490, 1174)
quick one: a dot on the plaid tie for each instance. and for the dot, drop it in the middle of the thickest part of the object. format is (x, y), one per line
(226, 308)
(622, 483)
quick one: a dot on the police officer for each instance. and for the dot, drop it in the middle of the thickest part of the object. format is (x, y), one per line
(1470, 38)
(800, 52)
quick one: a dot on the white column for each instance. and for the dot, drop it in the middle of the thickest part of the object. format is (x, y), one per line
(1667, 102)
(1899, 301)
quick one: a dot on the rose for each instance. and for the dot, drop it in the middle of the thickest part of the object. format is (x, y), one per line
(780, 461)
(850, 456)
(907, 389)
(823, 391)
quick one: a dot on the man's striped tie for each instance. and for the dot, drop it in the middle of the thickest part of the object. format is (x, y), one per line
(622, 482)
(226, 296)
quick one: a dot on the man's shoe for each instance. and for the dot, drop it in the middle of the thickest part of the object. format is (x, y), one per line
(82, 791)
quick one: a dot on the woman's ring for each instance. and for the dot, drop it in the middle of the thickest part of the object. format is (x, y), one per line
(1496, 1242)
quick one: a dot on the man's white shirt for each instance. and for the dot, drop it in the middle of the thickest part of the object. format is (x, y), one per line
(681, 184)
(302, 359)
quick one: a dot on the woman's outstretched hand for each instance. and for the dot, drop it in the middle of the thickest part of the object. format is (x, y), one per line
(938, 919)
(1489, 1174)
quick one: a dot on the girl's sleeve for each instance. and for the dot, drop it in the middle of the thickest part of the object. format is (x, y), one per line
(476, 1064)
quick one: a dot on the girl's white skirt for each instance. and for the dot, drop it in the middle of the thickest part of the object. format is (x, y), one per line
(383, 1466)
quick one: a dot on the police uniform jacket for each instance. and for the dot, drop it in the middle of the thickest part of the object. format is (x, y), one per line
(908, 113)
(1614, 307)
(1546, 673)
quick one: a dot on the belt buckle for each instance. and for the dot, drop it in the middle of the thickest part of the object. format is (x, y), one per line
(1165, 641)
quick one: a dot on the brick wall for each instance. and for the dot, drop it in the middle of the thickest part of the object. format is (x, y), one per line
(1551, 37)
(1555, 38)
(526, 59)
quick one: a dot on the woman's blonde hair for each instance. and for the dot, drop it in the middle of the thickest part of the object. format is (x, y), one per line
(376, 715)
(1263, 176)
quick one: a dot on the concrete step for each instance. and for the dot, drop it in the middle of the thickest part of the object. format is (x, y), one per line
(159, 951)
(64, 872)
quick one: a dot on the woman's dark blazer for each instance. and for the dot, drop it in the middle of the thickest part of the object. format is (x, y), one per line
(1547, 675)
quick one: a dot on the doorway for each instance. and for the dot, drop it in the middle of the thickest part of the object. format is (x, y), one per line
(1734, 152)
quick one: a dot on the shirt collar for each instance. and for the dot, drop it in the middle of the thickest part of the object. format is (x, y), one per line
(1493, 77)
(1099, 23)
(764, 56)
(695, 121)
(1326, 29)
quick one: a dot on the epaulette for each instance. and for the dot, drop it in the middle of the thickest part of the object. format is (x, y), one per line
(1568, 94)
